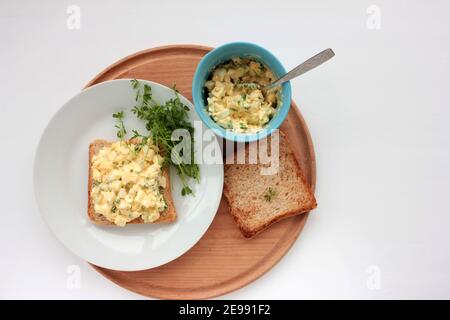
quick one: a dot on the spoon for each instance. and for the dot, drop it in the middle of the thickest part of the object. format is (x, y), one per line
(309, 64)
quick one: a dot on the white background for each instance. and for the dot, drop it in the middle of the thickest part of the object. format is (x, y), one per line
(378, 114)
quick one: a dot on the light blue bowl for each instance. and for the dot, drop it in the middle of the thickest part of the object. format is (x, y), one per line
(222, 54)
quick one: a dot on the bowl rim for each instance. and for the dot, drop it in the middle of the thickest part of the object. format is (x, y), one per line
(199, 106)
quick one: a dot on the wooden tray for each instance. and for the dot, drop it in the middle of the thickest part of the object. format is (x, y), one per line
(222, 261)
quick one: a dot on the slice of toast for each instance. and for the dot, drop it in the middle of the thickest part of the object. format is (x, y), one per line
(257, 201)
(168, 215)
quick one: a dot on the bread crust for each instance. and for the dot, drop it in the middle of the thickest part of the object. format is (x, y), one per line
(239, 215)
(249, 233)
(167, 216)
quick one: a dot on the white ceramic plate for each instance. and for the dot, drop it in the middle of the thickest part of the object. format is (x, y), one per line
(61, 177)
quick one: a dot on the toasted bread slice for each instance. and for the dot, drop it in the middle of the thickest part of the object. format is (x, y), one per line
(257, 201)
(168, 215)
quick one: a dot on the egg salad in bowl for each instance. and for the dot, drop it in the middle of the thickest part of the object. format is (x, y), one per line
(241, 108)
(127, 182)
(236, 97)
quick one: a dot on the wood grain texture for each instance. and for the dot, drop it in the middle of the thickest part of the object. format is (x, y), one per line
(223, 260)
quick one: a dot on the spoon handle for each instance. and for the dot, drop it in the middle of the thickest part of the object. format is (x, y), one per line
(309, 64)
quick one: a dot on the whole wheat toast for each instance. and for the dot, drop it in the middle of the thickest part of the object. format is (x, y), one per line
(246, 191)
(168, 215)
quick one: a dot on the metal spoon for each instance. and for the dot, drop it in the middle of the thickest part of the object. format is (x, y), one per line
(309, 64)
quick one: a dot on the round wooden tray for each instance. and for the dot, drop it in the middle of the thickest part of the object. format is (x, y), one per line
(223, 260)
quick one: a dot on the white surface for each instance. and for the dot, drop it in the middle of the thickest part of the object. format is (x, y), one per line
(61, 172)
(378, 114)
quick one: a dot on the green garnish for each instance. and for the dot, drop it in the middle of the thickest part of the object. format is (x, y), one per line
(146, 95)
(134, 83)
(161, 120)
(243, 126)
(120, 126)
(270, 194)
(230, 124)
(186, 190)
(121, 131)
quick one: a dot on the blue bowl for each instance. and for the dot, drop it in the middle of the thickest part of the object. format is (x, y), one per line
(222, 54)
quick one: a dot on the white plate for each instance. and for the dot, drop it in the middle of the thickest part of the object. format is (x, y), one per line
(61, 177)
